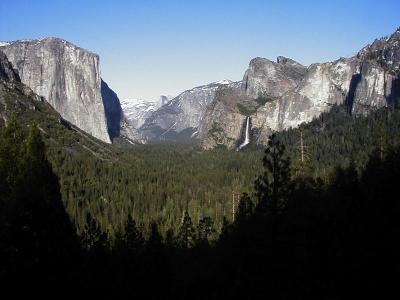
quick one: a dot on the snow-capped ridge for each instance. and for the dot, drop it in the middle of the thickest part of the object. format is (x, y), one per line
(223, 82)
(136, 111)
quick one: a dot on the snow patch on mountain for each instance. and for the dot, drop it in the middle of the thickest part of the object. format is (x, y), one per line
(136, 111)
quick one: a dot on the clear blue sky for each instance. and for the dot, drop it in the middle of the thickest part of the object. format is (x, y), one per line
(149, 48)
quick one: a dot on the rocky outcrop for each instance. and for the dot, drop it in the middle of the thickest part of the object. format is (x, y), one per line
(13, 93)
(385, 52)
(67, 76)
(224, 119)
(9, 80)
(272, 79)
(294, 95)
(7, 77)
(7, 73)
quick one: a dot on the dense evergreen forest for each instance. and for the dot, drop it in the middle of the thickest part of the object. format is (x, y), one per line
(317, 214)
(294, 236)
(154, 183)
(159, 182)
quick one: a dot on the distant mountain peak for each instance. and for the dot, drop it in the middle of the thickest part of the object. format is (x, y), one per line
(136, 111)
(223, 82)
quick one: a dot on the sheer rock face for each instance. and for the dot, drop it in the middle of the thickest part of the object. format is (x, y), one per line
(324, 85)
(68, 77)
(378, 83)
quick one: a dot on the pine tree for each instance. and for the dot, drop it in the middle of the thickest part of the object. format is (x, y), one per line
(170, 238)
(245, 209)
(12, 137)
(186, 235)
(272, 187)
(93, 238)
(226, 231)
(133, 239)
(205, 230)
(38, 229)
(154, 243)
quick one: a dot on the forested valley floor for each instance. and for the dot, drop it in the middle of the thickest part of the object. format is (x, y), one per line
(313, 214)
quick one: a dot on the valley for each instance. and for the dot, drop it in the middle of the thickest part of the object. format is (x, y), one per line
(282, 184)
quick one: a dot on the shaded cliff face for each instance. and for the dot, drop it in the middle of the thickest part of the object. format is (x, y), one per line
(113, 111)
(365, 82)
(67, 76)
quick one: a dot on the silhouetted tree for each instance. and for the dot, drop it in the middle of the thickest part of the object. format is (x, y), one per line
(93, 238)
(170, 238)
(133, 238)
(273, 186)
(34, 226)
(186, 235)
(154, 242)
(245, 209)
(225, 231)
(205, 230)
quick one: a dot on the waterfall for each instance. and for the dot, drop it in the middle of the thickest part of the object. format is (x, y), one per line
(247, 136)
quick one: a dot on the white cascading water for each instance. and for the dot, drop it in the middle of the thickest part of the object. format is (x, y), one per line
(247, 136)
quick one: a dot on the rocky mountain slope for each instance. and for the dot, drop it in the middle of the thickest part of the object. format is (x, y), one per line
(291, 94)
(68, 77)
(183, 113)
(136, 111)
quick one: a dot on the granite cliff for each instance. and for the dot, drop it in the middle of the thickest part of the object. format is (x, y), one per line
(68, 77)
